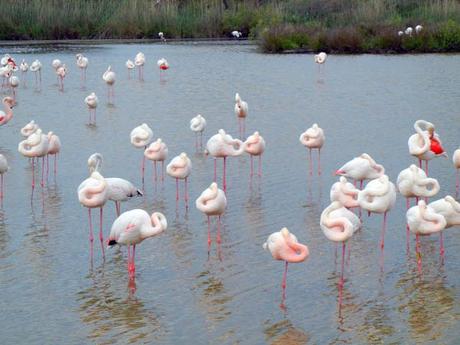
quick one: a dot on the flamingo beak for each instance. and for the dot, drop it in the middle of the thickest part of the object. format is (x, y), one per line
(339, 172)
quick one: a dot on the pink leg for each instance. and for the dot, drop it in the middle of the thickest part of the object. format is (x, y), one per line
(225, 178)
(417, 252)
(186, 193)
(55, 164)
(196, 141)
(284, 283)
(457, 183)
(33, 172)
(154, 171)
(341, 283)
(420, 163)
(129, 262)
(260, 165)
(407, 228)
(162, 170)
(101, 234)
(209, 233)
(90, 117)
(382, 242)
(215, 169)
(91, 237)
(133, 261)
(94, 116)
(218, 239)
(441, 243)
(42, 183)
(252, 166)
(319, 161)
(47, 166)
(143, 168)
(426, 167)
(177, 189)
(201, 141)
(1, 186)
(310, 169)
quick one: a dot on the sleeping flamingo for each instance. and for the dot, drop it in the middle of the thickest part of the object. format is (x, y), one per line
(361, 168)
(28, 129)
(35, 146)
(163, 66)
(449, 208)
(313, 138)
(157, 152)
(284, 246)
(212, 202)
(7, 115)
(130, 66)
(24, 67)
(91, 101)
(54, 147)
(3, 169)
(197, 125)
(180, 168)
(36, 67)
(320, 59)
(141, 136)
(241, 111)
(61, 73)
(109, 78)
(82, 63)
(222, 145)
(255, 146)
(131, 228)
(345, 193)
(456, 161)
(14, 83)
(139, 61)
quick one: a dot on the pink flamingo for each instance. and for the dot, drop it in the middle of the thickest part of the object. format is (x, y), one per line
(241, 112)
(345, 193)
(449, 208)
(61, 73)
(109, 78)
(91, 101)
(313, 138)
(7, 115)
(180, 167)
(3, 169)
(36, 67)
(82, 63)
(361, 168)
(131, 228)
(141, 136)
(456, 161)
(24, 67)
(157, 152)
(14, 83)
(139, 61)
(54, 147)
(28, 129)
(35, 146)
(255, 146)
(197, 125)
(284, 246)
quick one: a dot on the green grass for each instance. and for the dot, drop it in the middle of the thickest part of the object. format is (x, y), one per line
(347, 26)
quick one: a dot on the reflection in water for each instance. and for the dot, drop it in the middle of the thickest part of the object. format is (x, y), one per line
(284, 333)
(4, 236)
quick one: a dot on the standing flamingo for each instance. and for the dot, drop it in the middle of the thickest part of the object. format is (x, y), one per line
(162, 36)
(141, 136)
(284, 246)
(255, 146)
(449, 208)
(7, 115)
(320, 59)
(24, 67)
(91, 101)
(197, 125)
(82, 63)
(313, 138)
(54, 147)
(222, 145)
(14, 83)
(131, 228)
(180, 167)
(345, 193)
(61, 73)
(35, 146)
(157, 152)
(130, 66)
(3, 169)
(36, 67)
(56, 63)
(212, 202)
(361, 168)
(241, 112)
(456, 161)
(163, 65)
(139, 61)
(109, 78)
(93, 193)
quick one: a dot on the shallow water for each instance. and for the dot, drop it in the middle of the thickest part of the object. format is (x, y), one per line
(50, 293)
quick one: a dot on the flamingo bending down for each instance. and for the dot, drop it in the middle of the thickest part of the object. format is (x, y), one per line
(378, 196)
(91, 101)
(36, 67)
(320, 59)
(24, 67)
(35, 146)
(109, 78)
(284, 246)
(313, 138)
(141, 136)
(61, 73)
(197, 125)
(456, 161)
(449, 208)
(7, 115)
(180, 167)
(241, 112)
(28, 129)
(139, 61)
(82, 63)
(255, 146)
(3, 169)
(93, 193)
(345, 193)
(425, 144)
(361, 168)
(236, 34)
(131, 228)
(212, 202)
(130, 66)
(222, 145)
(54, 147)
(157, 152)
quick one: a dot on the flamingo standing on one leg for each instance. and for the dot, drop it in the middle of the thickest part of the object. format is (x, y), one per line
(139, 61)
(450, 209)
(255, 146)
(241, 112)
(197, 125)
(3, 169)
(456, 161)
(180, 168)
(54, 147)
(284, 246)
(24, 67)
(93, 193)
(131, 228)
(91, 101)
(320, 59)
(35, 146)
(109, 78)
(61, 73)
(313, 138)
(56, 63)
(157, 152)
(82, 63)
(161, 36)
(130, 66)
(7, 115)
(36, 67)
(141, 136)
(212, 202)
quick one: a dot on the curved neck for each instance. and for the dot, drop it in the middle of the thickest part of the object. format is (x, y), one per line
(154, 228)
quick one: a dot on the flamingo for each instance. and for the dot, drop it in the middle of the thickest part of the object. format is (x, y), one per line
(424, 220)
(109, 78)
(241, 111)
(91, 101)
(345, 193)
(378, 196)
(320, 59)
(36, 67)
(35, 146)
(56, 63)
(197, 125)
(255, 146)
(222, 145)
(180, 167)
(82, 63)
(409, 31)
(14, 83)
(418, 29)
(361, 168)
(284, 246)
(4, 60)
(28, 129)
(162, 65)
(118, 189)
(54, 147)
(236, 34)
(7, 115)
(131, 228)
(338, 225)
(6, 72)
(3, 169)
(141, 136)
(212, 202)
(400, 33)
(61, 72)
(139, 61)
(313, 138)
(162, 36)
(456, 161)
(449, 208)
(157, 152)
(93, 193)
(129, 65)
(425, 144)
(24, 67)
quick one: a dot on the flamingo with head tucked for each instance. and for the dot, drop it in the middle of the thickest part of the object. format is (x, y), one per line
(180, 168)
(157, 152)
(82, 63)
(345, 193)
(14, 83)
(197, 125)
(54, 147)
(35, 146)
(456, 161)
(131, 228)
(3, 169)
(284, 246)
(162, 36)
(130, 66)
(24, 67)
(36, 67)
(141, 136)
(361, 168)
(313, 138)
(61, 73)
(109, 78)
(255, 146)
(91, 101)
(139, 61)
(28, 129)
(449, 208)
(222, 145)
(241, 112)
(7, 115)
(320, 59)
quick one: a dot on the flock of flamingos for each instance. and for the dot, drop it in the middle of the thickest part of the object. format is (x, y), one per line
(339, 221)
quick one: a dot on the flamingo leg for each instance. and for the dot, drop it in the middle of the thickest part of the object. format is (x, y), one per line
(47, 166)
(91, 237)
(407, 227)
(143, 168)
(154, 171)
(260, 165)
(1, 186)
(441, 244)
(209, 232)
(55, 164)
(382, 241)
(284, 283)
(42, 183)
(426, 167)
(101, 234)
(225, 178)
(341, 283)
(133, 261)
(196, 141)
(252, 166)
(186, 193)
(215, 169)
(129, 262)
(33, 173)
(162, 171)
(417, 252)
(218, 239)
(201, 141)
(319, 161)
(310, 168)
(177, 189)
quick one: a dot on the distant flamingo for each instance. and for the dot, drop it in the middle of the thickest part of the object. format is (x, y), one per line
(109, 78)
(378, 196)
(255, 146)
(180, 168)
(3, 169)
(284, 246)
(197, 125)
(93, 193)
(162, 36)
(91, 101)
(418, 29)
(139, 61)
(28, 129)
(157, 152)
(345, 193)
(361, 168)
(130, 66)
(54, 147)
(14, 83)
(141, 136)
(313, 138)
(61, 73)
(36, 67)
(320, 59)
(212, 202)
(241, 112)
(131, 228)
(449, 208)
(409, 31)
(82, 63)
(456, 161)
(35, 146)
(56, 63)
(24, 67)
(222, 145)
(163, 65)
(236, 34)
(7, 115)
(425, 144)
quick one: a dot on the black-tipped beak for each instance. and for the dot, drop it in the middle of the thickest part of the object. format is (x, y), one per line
(139, 193)
(112, 242)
